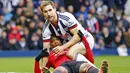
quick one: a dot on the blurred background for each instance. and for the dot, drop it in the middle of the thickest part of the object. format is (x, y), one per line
(21, 26)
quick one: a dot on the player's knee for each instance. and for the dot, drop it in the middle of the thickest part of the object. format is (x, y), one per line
(83, 67)
(60, 69)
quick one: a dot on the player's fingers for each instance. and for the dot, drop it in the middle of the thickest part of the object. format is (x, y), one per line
(55, 50)
(60, 53)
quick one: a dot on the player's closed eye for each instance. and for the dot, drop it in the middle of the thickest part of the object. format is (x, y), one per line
(50, 10)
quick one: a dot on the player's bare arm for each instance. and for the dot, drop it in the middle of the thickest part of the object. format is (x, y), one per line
(74, 39)
(45, 59)
(71, 42)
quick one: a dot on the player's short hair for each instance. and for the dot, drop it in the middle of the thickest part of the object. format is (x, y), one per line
(53, 43)
(45, 3)
(53, 38)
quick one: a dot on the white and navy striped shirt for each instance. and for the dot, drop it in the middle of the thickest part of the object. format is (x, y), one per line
(66, 22)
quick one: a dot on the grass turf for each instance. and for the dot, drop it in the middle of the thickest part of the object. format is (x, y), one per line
(25, 64)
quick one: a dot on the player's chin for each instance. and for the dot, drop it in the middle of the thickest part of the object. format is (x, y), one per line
(50, 19)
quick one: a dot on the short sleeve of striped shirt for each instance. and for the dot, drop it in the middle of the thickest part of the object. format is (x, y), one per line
(71, 20)
(46, 35)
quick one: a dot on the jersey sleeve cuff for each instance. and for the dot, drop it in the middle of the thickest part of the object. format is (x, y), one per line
(74, 26)
(47, 40)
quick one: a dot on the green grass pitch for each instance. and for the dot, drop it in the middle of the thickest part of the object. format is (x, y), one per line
(25, 64)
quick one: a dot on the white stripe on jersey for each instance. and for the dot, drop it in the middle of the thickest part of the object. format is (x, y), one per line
(65, 21)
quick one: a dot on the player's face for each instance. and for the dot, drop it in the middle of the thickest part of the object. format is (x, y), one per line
(49, 13)
(55, 43)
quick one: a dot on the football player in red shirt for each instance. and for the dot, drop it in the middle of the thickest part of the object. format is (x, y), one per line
(63, 64)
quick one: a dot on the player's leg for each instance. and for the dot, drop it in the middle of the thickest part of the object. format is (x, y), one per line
(80, 57)
(86, 67)
(80, 67)
(61, 69)
(88, 43)
(84, 48)
(77, 48)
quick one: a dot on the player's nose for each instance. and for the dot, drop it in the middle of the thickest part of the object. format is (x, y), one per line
(49, 13)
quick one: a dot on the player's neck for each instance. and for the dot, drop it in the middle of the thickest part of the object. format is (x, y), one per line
(55, 21)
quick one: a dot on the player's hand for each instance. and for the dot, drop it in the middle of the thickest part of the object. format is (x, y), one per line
(45, 70)
(58, 49)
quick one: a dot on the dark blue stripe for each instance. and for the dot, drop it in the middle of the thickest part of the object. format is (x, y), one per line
(52, 30)
(65, 27)
(58, 30)
(62, 24)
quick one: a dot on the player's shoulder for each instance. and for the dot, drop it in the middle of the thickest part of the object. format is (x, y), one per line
(46, 26)
(65, 14)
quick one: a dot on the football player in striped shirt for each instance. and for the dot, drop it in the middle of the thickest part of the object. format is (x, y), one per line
(65, 26)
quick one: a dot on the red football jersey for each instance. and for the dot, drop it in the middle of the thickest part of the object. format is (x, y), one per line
(56, 60)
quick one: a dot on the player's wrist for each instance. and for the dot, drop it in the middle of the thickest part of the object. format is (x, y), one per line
(45, 69)
(64, 47)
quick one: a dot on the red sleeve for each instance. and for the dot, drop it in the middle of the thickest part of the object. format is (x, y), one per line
(37, 67)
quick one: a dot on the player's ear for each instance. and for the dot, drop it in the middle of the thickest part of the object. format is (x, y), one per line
(39, 9)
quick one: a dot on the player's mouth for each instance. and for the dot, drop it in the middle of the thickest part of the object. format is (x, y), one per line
(50, 17)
